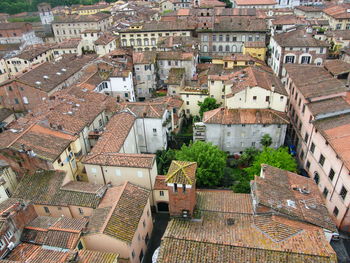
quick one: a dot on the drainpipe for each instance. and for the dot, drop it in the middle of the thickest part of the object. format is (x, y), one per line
(336, 182)
(144, 132)
(103, 175)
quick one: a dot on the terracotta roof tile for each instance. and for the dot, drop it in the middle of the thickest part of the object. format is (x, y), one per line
(255, 2)
(127, 213)
(89, 256)
(244, 116)
(160, 184)
(298, 38)
(293, 195)
(337, 67)
(181, 172)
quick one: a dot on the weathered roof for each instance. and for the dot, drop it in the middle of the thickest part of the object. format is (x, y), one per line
(313, 81)
(338, 11)
(181, 172)
(255, 2)
(147, 109)
(234, 237)
(240, 24)
(55, 72)
(89, 256)
(298, 38)
(332, 105)
(255, 77)
(125, 217)
(293, 195)
(175, 55)
(337, 67)
(74, 18)
(225, 201)
(226, 116)
(45, 188)
(175, 76)
(105, 39)
(121, 160)
(145, 57)
(163, 26)
(160, 184)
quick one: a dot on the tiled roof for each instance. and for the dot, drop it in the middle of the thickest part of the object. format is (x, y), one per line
(240, 24)
(45, 143)
(175, 55)
(331, 105)
(233, 237)
(105, 39)
(170, 101)
(89, 256)
(310, 8)
(160, 184)
(338, 11)
(115, 133)
(121, 159)
(292, 195)
(61, 239)
(244, 116)
(33, 51)
(298, 38)
(255, 77)
(7, 204)
(97, 219)
(126, 215)
(45, 187)
(25, 252)
(313, 81)
(175, 76)
(68, 43)
(146, 109)
(288, 20)
(74, 18)
(255, 2)
(181, 172)
(337, 67)
(224, 201)
(163, 26)
(146, 57)
(69, 63)
(14, 25)
(339, 34)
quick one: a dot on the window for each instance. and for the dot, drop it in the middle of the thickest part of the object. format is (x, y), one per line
(312, 148)
(214, 38)
(331, 174)
(133, 254)
(2, 244)
(267, 99)
(139, 174)
(254, 97)
(308, 165)
(220, 38)
(175, 187)
(306, 137)
(9, 234)
(16, 101)
(302, 155)
(81, 211)
(161, 193)
(343, 193)
(335, 211)
(46, 209)
(214, 48)
(10, 88)
(154, 130)
(305, 59)
(126, 95)
(144, 223)
(347, 26)
(253, 144)
(184, 188)
(321, 160)
(187, 103)
(227, 38)
(316, 177)
(325, 192)
(338, 26)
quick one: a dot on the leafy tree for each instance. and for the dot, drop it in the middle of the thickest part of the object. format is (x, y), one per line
(241, 181)
(164, 159)
(207, 105)
(279, 158)
(211, 162)
(248, 156)
(266, 140)
(227, 2)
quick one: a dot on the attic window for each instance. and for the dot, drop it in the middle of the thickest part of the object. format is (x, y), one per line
(230, 221)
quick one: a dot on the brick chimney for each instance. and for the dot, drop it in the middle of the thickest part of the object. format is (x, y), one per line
(181, 183)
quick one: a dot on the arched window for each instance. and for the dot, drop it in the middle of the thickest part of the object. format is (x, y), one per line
(205, 48)
(214, 48)
(227, 48)
(234, 49)
(220, 48)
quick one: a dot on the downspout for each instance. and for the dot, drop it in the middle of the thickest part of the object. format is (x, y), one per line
(103, 175)
(336, 182)
(143, 121)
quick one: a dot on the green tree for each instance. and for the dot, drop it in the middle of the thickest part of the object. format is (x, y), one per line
(241, 181)
(248, 156)
(207, 105)
(164, 159)
(266, 140)
(211, 162)
(279, 158)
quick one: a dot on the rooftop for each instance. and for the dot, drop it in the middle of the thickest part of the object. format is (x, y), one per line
(338, 11)
(291, 194)
(337, 67)
(244, 116)
(255, 2)
(298, 38)
(240, 24)
(75, 18)
(181, 172)
(45, 188)
(313, 81)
